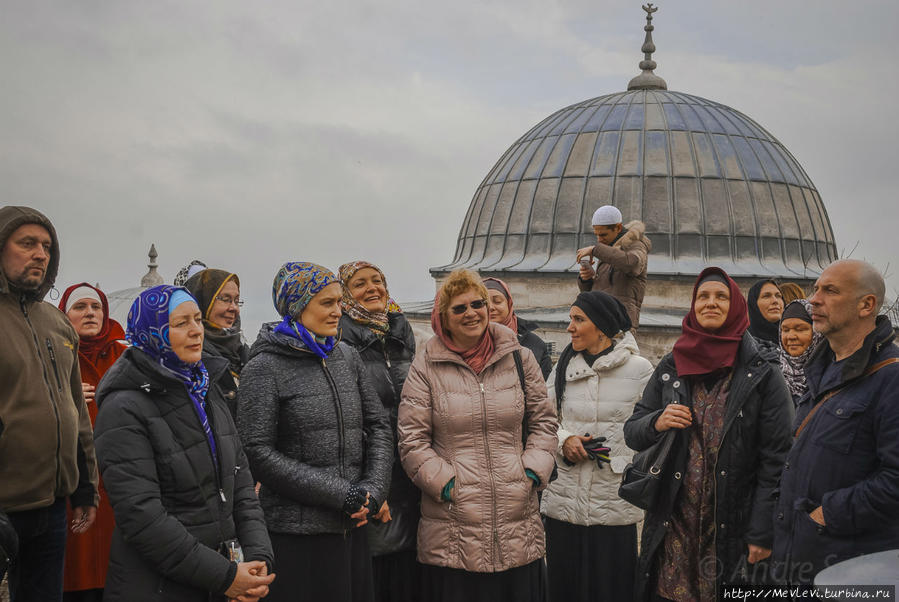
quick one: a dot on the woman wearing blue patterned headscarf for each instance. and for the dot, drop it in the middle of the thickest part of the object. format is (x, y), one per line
(169, 452)
(318, 440)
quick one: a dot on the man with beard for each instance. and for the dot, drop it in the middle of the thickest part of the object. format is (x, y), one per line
(46, 446)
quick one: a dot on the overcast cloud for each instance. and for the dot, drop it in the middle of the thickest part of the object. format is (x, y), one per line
(246, 134)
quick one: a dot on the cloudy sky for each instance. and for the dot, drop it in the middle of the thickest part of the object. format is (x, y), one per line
(249, 133)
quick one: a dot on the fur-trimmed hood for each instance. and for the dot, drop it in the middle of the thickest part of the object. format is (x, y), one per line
(636, 233)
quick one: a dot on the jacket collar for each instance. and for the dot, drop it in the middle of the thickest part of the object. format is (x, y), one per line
(504, 340)
(620, 354)
(362, 337)
(856, 364)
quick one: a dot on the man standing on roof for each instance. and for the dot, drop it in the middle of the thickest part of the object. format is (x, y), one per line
(46, 445)
(622, 253)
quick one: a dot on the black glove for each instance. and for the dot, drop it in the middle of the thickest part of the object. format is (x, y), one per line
(355, 499)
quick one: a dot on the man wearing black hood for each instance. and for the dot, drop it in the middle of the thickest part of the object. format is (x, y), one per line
(46, 446)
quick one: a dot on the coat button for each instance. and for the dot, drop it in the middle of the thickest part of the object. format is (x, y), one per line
(723, 473)
(676, 384)
(780, 516)
(840, 412)
(786, 465)
(666, 524)
(666, 377)
(677, 475)
(722, 526)
(749, 375)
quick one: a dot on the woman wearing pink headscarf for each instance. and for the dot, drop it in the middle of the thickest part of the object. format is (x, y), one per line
(499, 298)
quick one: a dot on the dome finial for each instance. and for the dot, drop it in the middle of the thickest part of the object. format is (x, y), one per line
(648, 80)
(152, 277)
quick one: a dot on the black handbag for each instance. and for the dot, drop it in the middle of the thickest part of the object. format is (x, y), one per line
(642, 479)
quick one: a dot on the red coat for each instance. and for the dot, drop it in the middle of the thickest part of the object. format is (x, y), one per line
(87, 554)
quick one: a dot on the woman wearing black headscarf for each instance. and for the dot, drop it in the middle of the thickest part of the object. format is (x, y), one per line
(591, 533)
(797, 341)
(713, 520)
(766, 304)
(218, 294)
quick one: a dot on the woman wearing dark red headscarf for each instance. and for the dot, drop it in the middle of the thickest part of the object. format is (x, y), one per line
(101, 342)
(712, 524)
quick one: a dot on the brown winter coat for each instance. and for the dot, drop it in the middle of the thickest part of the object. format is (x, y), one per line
(454, 423)
(622, 269)
(46, 443)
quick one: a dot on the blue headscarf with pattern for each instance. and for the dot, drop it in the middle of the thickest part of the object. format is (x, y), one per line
(148, 330)
(294, 286)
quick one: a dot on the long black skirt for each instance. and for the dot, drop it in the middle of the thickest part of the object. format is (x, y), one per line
(397, 577)
(522, 584)
(594, 563)
(321, 567)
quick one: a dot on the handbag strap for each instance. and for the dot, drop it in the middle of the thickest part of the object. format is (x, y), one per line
(827, 397)
(659, 461)
(516, 355)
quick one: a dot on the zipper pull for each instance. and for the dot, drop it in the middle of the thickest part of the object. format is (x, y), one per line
(222, 495)
(482, 387)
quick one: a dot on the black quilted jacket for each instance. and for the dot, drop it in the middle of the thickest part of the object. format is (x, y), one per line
(172, 509)
(311, 428)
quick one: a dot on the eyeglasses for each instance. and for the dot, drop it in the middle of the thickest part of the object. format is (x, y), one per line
(229, 300)
(463, 307)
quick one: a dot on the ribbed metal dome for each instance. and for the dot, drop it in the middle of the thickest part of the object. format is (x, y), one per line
(711, 185)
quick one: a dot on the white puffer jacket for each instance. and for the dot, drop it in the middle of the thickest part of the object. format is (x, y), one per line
(598, 400)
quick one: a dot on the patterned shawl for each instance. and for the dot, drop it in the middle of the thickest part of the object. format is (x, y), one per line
(296, 283)
(148, 330)
(794, 367)
(375, 321)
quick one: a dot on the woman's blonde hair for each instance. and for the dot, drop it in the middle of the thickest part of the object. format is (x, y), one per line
(791, 291)
(457, 283)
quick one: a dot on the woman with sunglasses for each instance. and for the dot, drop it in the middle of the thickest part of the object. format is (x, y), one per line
(462, 421)
(218, 295)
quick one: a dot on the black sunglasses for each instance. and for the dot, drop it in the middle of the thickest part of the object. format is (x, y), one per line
(463, 307)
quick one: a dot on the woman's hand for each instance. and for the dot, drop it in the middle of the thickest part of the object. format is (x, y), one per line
(757, 553)
(573, 448)
(383, 514)
(251, 581)
(674, 416)
(88, 391)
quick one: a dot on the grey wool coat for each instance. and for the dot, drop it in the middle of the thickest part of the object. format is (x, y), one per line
(311, 428)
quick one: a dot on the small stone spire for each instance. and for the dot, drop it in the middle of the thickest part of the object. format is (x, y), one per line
(648, 80)
(152, 277)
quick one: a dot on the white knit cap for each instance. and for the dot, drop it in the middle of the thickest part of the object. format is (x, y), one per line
(82, 292)
(607, 215)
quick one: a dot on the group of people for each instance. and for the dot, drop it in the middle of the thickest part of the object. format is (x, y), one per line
(332, 460)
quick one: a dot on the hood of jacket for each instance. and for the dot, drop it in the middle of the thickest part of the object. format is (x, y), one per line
(636, 234)
(11, 218)
(361, 336)
(269, 341)
(135, 370)
(526, 326)
(625, 347)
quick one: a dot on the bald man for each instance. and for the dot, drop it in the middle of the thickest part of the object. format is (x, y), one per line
(839, 489)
